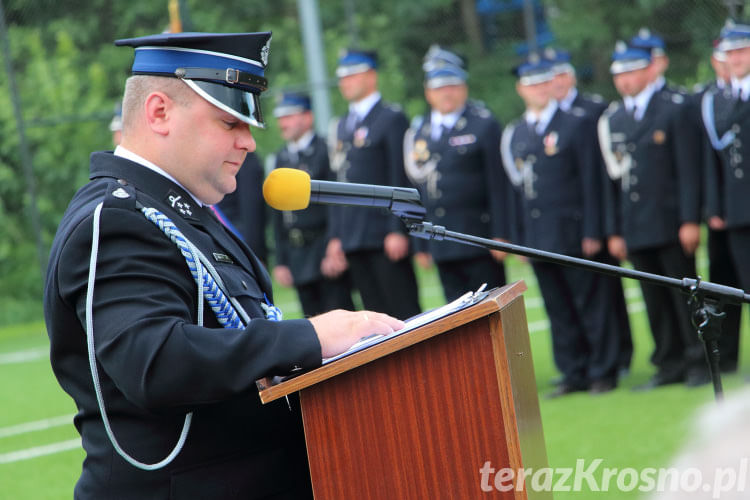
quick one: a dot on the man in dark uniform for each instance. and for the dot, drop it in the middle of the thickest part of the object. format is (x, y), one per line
(245, 208)
(721, 268)
(728, 183)
(180, 324)
(548, 154)
(302, 236)
(366, 147)
(655, 213)
(451, 154)
(565, 92)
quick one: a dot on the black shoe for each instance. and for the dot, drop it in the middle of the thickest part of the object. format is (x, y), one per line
(601, 386)
(563, 389)
(659, 380)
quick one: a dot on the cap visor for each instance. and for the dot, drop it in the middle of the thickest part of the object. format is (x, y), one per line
(239, 103)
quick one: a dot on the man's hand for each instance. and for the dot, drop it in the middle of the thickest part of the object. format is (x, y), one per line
(396, 246)
(283, 275)
(424, 259)
(590, 246)
(334, 263)
(690, 237)
(339, 330)
(717, 223)
(617, 247)
(499, 255)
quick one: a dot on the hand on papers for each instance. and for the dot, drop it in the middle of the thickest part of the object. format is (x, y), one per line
(339, 330)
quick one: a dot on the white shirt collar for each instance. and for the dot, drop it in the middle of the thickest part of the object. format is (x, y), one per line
(448, 120)
(721, 84)
(741, 87)
(543, 118)
(363, 106)
(640, 100)
(567, 102)
(659, 83)
(302, 142)
(129, 155)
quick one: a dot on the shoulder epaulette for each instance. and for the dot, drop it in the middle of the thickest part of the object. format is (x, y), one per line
(594, 97)
(577, 111)
(121, 195)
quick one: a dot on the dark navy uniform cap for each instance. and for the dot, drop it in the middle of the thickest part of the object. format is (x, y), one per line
(226, 69)
(734, 36)
(437, 57)
(651, 42)
(626, 58)
(534, 70)
(292, 103)
(353, 61)
(560, 60)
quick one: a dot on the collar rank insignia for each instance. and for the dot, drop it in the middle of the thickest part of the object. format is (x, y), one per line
(181, 204)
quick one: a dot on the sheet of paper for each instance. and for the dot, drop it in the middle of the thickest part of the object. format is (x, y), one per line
(465, 300)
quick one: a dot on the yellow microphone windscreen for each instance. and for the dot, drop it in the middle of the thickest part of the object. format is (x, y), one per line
(287, 189)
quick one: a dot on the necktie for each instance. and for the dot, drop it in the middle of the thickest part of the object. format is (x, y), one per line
(351, 121)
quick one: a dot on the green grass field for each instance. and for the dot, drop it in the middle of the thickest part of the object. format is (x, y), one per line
(40, 456)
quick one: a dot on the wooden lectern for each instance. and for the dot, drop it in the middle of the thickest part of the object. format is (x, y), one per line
(418, 415)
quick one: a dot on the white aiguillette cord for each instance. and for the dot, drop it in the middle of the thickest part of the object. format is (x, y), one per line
(198, 264)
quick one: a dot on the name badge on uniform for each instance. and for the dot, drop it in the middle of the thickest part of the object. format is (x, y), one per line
(550, 143)
(360, 136)
(462, 140)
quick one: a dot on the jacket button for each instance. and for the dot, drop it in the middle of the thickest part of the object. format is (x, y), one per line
(739, 173)
(440, 212)
(535, 213)
(634, 197)
(633, 180)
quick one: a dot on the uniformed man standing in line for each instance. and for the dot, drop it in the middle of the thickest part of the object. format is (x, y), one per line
(721, 268)
(728, 194)
(565, 92)
(656, 212)
(451, 154)
(366, 147)
(302, 236)
(548, 154)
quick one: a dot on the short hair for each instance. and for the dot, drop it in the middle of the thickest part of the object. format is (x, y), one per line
(138, 87)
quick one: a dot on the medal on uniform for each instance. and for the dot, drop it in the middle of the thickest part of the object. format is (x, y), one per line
(659, 137)
(359, 137)
(421, 152)
(460, 124)
(550, 143)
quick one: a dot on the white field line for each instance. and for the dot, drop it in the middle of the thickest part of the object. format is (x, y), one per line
(40, 451)
(38, 425)
(24, 356)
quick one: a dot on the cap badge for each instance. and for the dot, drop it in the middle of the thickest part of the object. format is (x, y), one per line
(264, 52)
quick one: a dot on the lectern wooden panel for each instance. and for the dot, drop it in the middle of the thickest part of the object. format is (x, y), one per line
(418, 416)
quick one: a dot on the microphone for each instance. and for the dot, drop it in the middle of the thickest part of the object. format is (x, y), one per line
(292, 189)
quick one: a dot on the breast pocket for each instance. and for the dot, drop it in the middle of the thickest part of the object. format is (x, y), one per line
(243, 286)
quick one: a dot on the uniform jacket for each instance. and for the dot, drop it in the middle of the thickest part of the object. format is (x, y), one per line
(656, 162)
(558, 181)
(370, 154)
(154, 362)
(728, 176)
(302, 235)
(460, 180)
